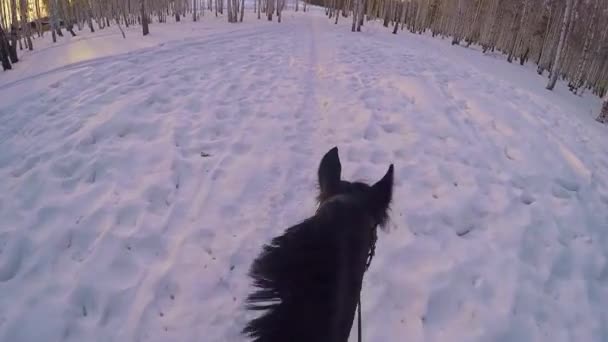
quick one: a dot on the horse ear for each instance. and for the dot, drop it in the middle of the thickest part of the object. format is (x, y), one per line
(329, 173)
(382, 193)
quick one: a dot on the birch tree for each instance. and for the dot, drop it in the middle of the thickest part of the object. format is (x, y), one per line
(269, 9)
(356, 4)
(13, 33)
(242, 11)
(144, 18)
(589, 36)
(194, 10)
(4, 50)
(25, 26)
(558, 55)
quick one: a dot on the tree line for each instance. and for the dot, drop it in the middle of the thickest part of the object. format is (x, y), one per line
(22, 21)
(565, 39)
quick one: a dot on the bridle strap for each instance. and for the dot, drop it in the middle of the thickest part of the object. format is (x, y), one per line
(372, 252)
(359, 310)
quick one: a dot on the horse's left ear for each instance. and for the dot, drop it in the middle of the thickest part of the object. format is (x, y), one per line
(382, 193)
(330, 170)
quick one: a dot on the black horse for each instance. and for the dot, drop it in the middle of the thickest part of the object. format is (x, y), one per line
(309, 279)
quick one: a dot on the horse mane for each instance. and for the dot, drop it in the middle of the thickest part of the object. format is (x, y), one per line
(308, 279)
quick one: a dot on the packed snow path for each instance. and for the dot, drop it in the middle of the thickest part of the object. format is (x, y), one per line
(136, 189)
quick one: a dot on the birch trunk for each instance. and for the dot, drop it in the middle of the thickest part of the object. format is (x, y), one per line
(578, 76)
(242, 10)
(560, 46)
(13, 32)
(38, 16)
(194, 10)
(25, 25)
(4, 51)
(356, 4)
(144, 18)
(89, 16)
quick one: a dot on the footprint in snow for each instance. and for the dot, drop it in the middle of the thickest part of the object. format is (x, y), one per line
(527, 198)
(567, 184)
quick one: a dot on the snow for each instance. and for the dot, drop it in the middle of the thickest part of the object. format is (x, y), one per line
(141, 177)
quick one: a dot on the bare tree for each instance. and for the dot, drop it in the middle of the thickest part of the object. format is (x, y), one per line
(280, 6)
(400, 9)
(562, 38)
(269, 9)
(14, 35)
(144, 18)
(356, 4)
(360, 15)
(603, 117)
(242, 10)
(38, 16)
(25, 26)
(67, 16)
(259, 8)
(590, 32)
(4, 51)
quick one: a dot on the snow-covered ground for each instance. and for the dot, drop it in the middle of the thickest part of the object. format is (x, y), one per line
(139, 178)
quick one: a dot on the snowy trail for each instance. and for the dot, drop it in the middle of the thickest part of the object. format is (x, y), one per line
(138, 187)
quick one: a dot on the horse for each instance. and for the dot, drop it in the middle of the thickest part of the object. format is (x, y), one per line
(308, 280)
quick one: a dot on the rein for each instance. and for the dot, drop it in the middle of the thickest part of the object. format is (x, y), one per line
(370, 256)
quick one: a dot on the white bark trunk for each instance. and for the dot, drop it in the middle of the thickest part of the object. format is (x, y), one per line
(25, 25)
(242, 10)
(560, 46)
(144, 17)
(361, 14)
(53, 19)
(194, 10)
(578, 76)
(259, 8)
(356, 4)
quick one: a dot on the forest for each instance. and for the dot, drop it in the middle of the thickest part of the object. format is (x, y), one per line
(565, 39)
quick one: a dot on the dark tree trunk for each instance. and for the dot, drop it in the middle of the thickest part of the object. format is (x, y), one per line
(144, 18)
(524, 58)
(4, 51)
(70, 28)
(362, 4)
(38, 15)
(12, 51)
(603, 117)
(90, 18)
(243, 10)
(386, 15)
(398, 19)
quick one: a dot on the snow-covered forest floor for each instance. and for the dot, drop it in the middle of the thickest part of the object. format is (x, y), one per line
(139, 178)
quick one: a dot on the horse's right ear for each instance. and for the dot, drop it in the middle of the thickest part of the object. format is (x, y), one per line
(329, 173)
(382, 194)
